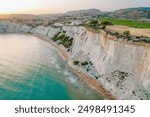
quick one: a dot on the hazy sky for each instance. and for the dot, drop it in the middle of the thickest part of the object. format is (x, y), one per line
(57, 6)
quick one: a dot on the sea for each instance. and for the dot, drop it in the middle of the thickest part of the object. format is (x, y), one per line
(32, 69)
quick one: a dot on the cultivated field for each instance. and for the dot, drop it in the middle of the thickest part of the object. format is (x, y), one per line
(130, 23)
(133, 31)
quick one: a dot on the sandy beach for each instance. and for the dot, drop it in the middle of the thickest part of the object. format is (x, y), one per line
(93, 83)
(85, 77)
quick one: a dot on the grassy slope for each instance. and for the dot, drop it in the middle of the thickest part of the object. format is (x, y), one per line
(130, 23)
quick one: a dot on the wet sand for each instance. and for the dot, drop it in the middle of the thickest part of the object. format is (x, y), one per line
(59, 48)
(84, 77)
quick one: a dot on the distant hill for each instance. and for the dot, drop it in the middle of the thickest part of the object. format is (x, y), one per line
(140, 13)
(18, 16)
(129, 13)
(132, 13)
(75, 14)
(87, 12)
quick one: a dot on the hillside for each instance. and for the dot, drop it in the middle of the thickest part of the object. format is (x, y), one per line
(132, 13)
(88, 13)
(140, 13)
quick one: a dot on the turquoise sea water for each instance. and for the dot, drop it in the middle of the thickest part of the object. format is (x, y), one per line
(31, 69)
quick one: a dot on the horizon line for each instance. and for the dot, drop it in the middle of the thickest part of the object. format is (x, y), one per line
(72, 10)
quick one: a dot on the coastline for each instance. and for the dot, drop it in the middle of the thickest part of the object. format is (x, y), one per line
(60, 49)
(93, 83)
(85, 77)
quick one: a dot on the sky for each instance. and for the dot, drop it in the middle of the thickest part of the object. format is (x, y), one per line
(61, 6)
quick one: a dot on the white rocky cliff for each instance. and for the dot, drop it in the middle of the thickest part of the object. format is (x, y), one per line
(122, 68)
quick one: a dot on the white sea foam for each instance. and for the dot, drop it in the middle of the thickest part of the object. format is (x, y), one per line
(53, 60)
(58, 71)
(72, 80)
(66, 73)
(57, 66)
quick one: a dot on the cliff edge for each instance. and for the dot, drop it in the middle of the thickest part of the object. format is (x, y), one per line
(121, 68)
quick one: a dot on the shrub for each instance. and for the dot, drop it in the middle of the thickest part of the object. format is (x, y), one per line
(84, 63)
(55, 38)
(60, 35)
(76, 62)
(106, 23)
(93, 24)
(103, 27)
(142, 36)
(90, 63)
(147, 40)
(63, 39)
(126, 33)
(94, 21)
(64, 31)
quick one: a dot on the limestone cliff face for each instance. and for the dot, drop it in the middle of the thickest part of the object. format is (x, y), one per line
(11, 27)
(109, 55)
(123, 68)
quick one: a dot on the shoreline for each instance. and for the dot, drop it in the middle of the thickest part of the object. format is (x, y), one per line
(60, 49)
(85, 77)
(93, 83)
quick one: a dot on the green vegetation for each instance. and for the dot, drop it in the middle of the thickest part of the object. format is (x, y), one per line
(96, 24)
(63, 39)
(125, 22)
(84, 63)
(126, 33)
(146, 40)
(106, 23)
(142, 36)
(90, 63)
(93, 24)
(76, 62)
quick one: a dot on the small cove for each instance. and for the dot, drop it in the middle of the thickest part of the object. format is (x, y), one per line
(31, 69)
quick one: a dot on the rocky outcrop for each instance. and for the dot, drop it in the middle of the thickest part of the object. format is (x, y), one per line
(11, 27)
(109, 56)
(122, 68)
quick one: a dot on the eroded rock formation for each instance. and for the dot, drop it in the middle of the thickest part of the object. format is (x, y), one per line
(121, 67)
